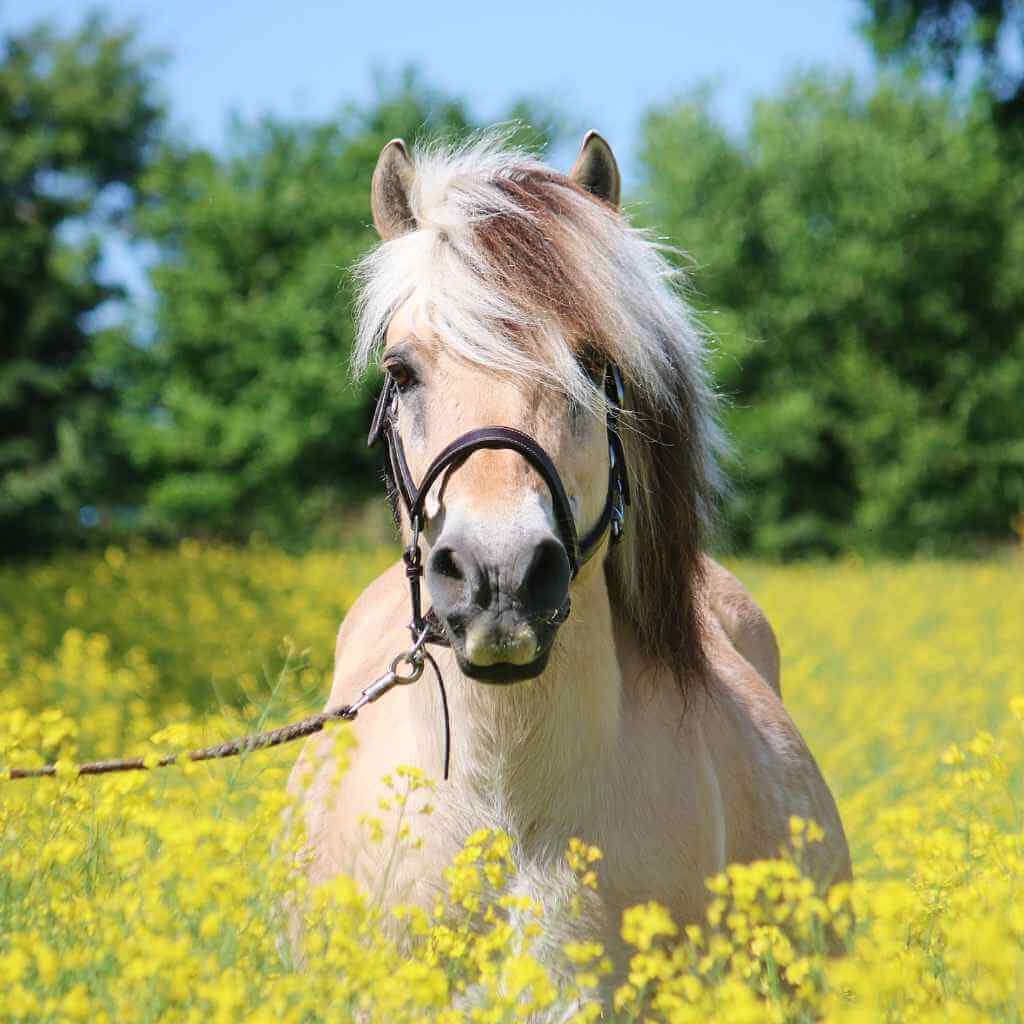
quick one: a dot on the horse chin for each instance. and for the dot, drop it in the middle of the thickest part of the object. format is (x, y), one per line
(503, 673)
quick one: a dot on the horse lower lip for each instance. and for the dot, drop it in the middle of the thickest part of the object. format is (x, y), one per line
(522, 651)
(500, 672)
(488, 639)
(503, 673)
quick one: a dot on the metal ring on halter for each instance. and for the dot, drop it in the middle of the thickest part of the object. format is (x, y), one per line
(415, 664)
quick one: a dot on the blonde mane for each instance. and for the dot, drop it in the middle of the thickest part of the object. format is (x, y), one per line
(521, 271)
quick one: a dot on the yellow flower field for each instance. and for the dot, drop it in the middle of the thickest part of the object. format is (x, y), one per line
(161, 896)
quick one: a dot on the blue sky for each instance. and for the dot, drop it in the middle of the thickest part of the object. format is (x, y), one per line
(604, 62)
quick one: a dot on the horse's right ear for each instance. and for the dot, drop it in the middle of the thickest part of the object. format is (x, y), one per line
(389, 193)
(596, 170)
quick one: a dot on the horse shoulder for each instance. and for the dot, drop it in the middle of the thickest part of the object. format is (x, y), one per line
(744, 622)
(360, 655)
(373, 631)
(766, 772)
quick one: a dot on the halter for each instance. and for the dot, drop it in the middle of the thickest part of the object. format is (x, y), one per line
(402, 486)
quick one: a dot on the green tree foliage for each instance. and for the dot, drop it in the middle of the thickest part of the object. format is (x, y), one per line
(77, 116)
(240, 412)
(861, 260)
(953, 35)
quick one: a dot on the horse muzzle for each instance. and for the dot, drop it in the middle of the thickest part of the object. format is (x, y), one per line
(500, 609)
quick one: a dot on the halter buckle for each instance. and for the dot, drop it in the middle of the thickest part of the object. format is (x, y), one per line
(617, 523)
(412, 556)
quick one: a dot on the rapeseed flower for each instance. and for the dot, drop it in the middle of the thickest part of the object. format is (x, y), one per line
(169, 896)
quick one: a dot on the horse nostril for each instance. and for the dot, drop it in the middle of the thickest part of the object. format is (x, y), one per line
(455, 578)
(443, 563)
(546, 581)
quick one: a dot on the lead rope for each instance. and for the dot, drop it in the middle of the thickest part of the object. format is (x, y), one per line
(416, 657)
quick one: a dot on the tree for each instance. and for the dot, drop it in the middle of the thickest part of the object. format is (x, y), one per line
(78, 116)
(240, 413)
(861, 259)
(953, 36)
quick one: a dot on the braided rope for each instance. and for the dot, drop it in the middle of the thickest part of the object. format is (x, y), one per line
(231, 748)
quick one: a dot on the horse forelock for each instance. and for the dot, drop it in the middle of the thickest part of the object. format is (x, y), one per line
(517, 269)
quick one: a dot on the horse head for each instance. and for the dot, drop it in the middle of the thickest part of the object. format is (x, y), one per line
(506, 305)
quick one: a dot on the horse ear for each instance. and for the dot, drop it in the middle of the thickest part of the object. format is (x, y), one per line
(596, 170)
(389, 192)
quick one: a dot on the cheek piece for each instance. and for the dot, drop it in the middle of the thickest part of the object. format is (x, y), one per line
(402, 488)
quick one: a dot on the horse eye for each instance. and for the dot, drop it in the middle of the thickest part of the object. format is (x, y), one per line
(401, 373)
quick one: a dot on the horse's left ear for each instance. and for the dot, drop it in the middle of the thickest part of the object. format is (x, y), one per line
(596, 170)
(389, 191)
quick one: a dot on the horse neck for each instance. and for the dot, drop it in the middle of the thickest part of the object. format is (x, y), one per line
(533, 749)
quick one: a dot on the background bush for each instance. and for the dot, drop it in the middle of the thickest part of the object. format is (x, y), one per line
(79, 119)
(861, 260)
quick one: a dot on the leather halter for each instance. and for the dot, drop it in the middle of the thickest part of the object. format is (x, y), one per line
(402, 486)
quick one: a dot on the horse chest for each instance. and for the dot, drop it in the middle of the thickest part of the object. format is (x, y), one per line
(541, 875)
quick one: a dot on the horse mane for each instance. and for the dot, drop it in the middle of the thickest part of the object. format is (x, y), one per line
(522, 271)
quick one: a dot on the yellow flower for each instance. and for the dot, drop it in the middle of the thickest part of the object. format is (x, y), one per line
(76, 1004)
(171, 894)
(642, 925)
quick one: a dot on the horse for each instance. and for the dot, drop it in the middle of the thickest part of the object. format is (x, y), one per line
(606, 678)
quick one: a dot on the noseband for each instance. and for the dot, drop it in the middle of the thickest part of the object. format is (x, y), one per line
(402, 486)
